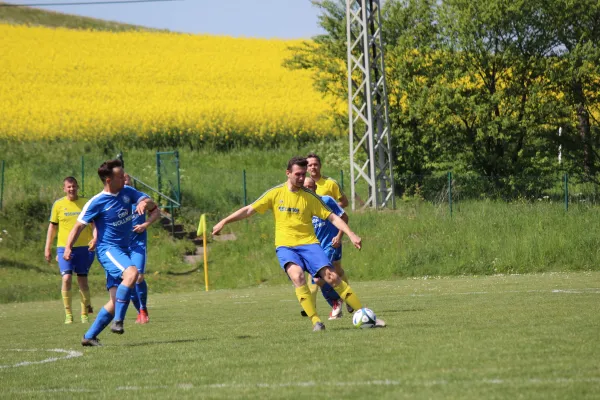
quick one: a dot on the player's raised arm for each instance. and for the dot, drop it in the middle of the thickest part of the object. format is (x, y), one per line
(153, 215)
(342, 226)
(238, 215)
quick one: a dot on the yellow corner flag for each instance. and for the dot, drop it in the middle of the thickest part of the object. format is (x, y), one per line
(202, 231)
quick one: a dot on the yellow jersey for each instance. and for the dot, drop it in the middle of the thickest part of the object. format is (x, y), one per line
(293, 212)
(65, 213)
(327, 186)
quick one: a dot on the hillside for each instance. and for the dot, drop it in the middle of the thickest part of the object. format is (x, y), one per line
(37, 17)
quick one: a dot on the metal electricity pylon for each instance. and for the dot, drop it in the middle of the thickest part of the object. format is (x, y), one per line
(369, 126)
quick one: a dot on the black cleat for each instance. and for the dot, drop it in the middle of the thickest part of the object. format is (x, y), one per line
(90, 342)
(117, 327)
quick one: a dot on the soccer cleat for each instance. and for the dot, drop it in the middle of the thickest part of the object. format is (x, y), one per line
(379, 323)
(138, 319)
(90, 342)
(336, 310)
(319, 326)
(117, 327)
(84, 319)
(68, 319)
(143, 315)
(90, 309)
(350, 309)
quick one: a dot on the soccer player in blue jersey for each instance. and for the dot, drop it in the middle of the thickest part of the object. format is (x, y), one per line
(138, 247)
(330, 238)
(111, 212)
(296, 245)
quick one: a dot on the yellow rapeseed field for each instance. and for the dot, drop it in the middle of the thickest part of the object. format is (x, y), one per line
(154, 87)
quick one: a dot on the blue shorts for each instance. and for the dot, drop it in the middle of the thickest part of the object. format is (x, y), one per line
(138, 256)
(310, 257)
(334, 254)
(80, 262)
(114, 260)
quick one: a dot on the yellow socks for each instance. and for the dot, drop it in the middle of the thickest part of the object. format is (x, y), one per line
(85, 300)
(348, 296)
(305, 298)
(66, 296)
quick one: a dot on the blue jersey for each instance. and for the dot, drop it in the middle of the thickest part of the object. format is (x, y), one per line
(138, 238)
(324, 229)
(112, 215)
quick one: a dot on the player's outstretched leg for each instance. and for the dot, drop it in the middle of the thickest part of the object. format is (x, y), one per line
(102, 320)
(333, 299)
(135, 300)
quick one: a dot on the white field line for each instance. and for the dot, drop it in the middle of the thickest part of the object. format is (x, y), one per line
(310, 384)
(69, 354)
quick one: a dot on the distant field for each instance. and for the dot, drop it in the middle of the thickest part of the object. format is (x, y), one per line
(155, 89)
(500, 337)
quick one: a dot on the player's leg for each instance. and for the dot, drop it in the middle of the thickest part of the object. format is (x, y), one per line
(81, 262)
(105, 315)
(330, 295)
(293, 265)
(66, 272)
(139, 295)
(313, 287)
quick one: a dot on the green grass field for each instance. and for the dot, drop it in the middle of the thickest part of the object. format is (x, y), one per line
(518, 336)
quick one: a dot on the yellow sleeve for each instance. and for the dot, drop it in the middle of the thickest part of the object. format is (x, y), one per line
(54, 213)
(264, 202)
(335, 190)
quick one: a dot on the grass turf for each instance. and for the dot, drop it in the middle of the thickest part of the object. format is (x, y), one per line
(516, 336)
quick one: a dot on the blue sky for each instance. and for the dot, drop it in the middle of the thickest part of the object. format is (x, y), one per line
(286, 19)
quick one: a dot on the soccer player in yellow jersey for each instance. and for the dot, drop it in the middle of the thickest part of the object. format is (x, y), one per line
(296, 245)
(326, 186)
(62, 218)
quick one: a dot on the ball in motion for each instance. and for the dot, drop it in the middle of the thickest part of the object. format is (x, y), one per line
(364, 318)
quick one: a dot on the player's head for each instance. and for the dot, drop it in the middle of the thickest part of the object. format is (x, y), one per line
(314, 165)
(70, 187)
(128, 180)
(296, 171)
(112, 175)
(310, 183)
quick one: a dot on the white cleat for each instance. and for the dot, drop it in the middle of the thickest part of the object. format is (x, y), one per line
(336, 310)
(379, 323)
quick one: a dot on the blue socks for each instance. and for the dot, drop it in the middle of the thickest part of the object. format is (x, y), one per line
(329, 294)
(123, 297)
(135, 299)
(101, 322)
(142, 292)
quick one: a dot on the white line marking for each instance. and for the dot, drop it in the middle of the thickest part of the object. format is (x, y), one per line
(69, 354)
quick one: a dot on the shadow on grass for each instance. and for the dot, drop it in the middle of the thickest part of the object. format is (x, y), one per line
(183, 272)
(159, 342)
(8, 263)
(399, 311)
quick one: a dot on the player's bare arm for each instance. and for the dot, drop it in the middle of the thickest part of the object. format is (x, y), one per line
(337, 240)
(73, 236)
(342, 226)
(92, 243)
(343, 201)
(152, 216)
(52, 229)
(239, 215)
(145, 204)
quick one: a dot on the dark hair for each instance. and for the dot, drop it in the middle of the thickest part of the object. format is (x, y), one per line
(297, 160)
(70, 179)
(106, 169)
(313, 155)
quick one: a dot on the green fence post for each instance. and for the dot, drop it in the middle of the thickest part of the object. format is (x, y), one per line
(82, 177)
(1, 184)
(342, 178)
(450, 192)
(566, 179)
(245, 190)
(178, 177)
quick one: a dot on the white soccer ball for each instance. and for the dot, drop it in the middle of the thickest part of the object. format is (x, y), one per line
(364, 318)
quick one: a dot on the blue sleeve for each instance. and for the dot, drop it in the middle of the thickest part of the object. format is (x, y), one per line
(135, 194)
(90, 211)
(335, 208)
